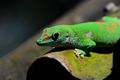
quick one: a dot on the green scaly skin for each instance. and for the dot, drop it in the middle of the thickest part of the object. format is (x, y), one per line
(83, 36)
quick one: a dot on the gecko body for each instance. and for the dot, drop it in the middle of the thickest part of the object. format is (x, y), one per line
(84, 36)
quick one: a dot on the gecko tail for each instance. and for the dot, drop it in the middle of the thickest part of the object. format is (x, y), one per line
(110, 19)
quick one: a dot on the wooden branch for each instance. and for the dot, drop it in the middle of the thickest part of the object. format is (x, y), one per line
(96, 67)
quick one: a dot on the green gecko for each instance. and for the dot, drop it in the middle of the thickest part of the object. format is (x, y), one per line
(83, 37)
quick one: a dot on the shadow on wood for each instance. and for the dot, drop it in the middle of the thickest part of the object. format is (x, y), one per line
(48, 69)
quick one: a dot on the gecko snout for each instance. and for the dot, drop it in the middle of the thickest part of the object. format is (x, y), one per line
(38, 43)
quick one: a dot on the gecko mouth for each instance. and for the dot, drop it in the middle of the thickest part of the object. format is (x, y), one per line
(45, 42)
(40, 43)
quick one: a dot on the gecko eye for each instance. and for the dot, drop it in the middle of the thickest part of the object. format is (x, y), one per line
(67, 36)
(55, 36)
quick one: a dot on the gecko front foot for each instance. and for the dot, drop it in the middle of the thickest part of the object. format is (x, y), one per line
(79, 53)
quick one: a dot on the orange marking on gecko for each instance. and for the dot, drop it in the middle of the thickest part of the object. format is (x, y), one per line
(105, 23)
(113, 24)
(44, 34)
(47, 38)
(100, 27)
(113, 30)
(107, 28)
(98, 22)
(49, 32)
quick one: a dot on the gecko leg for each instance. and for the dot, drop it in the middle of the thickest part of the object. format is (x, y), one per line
(79, 53)
(84, 47)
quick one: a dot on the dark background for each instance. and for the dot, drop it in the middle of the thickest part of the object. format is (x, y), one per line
(20, 19)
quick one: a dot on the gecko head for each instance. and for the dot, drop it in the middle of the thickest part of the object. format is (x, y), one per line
(53, 36)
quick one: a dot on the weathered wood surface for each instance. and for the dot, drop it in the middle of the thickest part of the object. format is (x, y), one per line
(96, 67)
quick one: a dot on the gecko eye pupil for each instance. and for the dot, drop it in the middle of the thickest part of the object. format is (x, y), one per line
(67, 36)
(55, 36)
